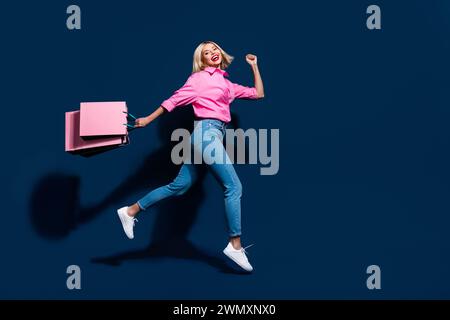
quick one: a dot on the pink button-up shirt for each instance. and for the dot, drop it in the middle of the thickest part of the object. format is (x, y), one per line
(210, 93)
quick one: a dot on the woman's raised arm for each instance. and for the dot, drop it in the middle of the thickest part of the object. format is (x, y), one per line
(253, 62)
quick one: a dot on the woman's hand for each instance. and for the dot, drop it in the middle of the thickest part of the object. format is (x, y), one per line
(251, 59)
(142, 122)
(253, 62)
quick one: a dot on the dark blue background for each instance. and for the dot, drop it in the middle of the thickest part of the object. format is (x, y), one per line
(364, 163)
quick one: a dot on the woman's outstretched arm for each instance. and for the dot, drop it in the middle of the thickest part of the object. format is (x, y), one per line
(183, 96)
(253, 61)
(142, 122)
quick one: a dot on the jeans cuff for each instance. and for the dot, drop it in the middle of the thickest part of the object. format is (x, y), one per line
(235, 234)
(140, 206)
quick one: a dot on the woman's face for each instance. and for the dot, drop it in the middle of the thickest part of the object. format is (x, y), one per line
(211, 55)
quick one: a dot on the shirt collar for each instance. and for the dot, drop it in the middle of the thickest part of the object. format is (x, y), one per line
(211, 70)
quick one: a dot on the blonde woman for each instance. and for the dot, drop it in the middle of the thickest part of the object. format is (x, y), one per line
(210, 93)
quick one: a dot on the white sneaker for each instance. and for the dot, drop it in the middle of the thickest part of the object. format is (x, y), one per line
(127, 222)
(238, 256)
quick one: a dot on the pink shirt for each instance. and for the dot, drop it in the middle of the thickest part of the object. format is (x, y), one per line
(210, 94)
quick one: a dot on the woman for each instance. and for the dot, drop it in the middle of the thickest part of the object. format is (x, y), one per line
(210, 94)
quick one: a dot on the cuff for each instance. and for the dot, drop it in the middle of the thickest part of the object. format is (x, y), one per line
(254, 93)
(168, 105)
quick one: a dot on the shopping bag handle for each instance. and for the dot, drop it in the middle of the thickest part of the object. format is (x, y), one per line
(129, 114)
(129, 126)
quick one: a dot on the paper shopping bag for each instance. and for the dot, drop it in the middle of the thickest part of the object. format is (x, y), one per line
(103, 119)
(75, 144)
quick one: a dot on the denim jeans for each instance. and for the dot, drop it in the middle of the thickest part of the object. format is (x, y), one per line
(212, 132)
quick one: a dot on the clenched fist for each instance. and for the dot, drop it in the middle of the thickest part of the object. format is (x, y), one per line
(251, 59)
(141, 122)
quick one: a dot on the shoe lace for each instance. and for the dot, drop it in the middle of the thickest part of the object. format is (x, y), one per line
(244, 249)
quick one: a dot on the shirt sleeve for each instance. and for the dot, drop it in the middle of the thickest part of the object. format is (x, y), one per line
(243, 92)
(183, 96)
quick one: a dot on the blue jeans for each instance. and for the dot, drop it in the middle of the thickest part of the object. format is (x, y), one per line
(212, 131)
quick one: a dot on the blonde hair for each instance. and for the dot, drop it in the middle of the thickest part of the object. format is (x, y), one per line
(198, 65)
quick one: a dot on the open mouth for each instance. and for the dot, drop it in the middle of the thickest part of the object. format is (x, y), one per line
(215, 57)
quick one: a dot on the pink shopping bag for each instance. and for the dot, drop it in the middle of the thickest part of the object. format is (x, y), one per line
(103, 119)
(75, 144)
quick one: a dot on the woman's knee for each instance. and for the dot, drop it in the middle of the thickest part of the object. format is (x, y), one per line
(179, 189)
(234, 189)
